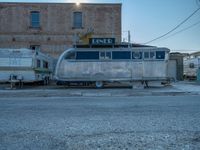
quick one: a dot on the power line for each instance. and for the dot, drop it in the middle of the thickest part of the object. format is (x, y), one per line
(183, 30)
(174, 27)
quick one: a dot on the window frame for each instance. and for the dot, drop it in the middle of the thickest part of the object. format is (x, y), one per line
(150, 56)
(137, 58)
(87, 58)
(38, 63)
(146, 52)
(77, 24)
(45, 64)
(107, 55)
(71, 56)
(191, 65)
(113, 54)
(33, 22)
(161, 57)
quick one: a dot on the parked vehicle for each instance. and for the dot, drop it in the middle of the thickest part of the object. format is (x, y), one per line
(25, 65)
(102, 65)
(191, 66)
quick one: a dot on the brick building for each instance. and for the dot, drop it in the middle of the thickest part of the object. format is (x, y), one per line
(54, 27)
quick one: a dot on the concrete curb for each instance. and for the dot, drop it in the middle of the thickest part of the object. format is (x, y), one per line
(91, 93)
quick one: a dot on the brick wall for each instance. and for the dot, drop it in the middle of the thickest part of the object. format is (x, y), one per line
(56, 32)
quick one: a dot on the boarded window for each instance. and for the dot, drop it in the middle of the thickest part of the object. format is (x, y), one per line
(87, 55)
(121, 55)
(35, 19)
(77, 20)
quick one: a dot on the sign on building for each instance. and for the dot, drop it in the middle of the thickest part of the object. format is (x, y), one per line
(102, 41)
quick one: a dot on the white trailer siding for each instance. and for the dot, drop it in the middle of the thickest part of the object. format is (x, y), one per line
(16, 62)
(23, 64)
(28, 75)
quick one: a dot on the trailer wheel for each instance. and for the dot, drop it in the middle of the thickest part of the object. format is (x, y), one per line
(99, 84)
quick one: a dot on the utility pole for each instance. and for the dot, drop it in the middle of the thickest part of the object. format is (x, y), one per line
(129, 38)
(198, 3)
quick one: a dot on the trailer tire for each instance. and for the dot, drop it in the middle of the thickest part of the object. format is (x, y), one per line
(99, 84)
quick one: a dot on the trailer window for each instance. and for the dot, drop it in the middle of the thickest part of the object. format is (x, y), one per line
(191, 65)
(152, 55)
(121, 55)
(108, 55)
(45, 64)
(149, 55)
(105, 55)
(87, 55)
(137, 55)
(38, 63)
(102, 55)
(160, 55)
(70, 55)
(146, 55)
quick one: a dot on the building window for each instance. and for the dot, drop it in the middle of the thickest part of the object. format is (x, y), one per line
(77, 20)
(35, 47)
(35, 19)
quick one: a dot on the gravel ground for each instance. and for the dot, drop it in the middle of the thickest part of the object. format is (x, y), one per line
(150, 122)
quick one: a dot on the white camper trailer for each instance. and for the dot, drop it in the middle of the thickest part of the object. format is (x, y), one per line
(25, 65)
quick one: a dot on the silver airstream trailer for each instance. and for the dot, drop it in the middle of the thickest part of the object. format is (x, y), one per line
(102, 65)
(25, 65)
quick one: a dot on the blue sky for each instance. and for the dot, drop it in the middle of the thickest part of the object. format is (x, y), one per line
(148, 19)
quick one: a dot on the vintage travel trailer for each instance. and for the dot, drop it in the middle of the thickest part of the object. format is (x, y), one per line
(25, 65)
(100, 65)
